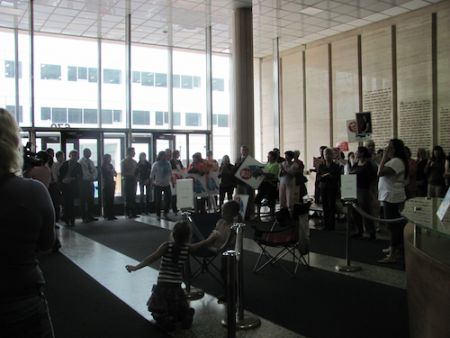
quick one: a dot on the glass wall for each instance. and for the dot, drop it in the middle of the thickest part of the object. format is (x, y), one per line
(113, 84)
(75, 88)
(8, 71)
(149, 92)
(66, 82)
(221, 105)
(189, 90)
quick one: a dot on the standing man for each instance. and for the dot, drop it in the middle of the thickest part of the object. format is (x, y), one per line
(245, 189)
(87, 186)
(129, 172)
(161, 177)
(70, 175)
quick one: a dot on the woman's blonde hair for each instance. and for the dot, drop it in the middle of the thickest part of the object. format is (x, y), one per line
(11, 158)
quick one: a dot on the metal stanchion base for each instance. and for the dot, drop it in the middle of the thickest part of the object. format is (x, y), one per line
(347, 268)
(245, 324)
(248, 323)
(194, 294)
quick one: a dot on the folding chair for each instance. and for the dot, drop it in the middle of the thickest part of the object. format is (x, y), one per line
(283, 238)
(202, 226)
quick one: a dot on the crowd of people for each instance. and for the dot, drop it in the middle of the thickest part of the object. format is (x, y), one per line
(29, 207)
(385, 180)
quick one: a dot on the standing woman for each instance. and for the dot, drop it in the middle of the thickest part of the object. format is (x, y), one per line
(109, 186)
(393, 173)
(435, 173)
(227, 180)
(329, 176)
(421, 178)
(27, 226)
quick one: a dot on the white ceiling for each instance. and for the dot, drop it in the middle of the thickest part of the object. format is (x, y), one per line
(181, 23)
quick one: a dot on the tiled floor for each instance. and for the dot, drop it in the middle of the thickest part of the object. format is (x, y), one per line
(108, 268)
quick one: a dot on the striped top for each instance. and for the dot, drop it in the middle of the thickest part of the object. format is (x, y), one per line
(169, 272)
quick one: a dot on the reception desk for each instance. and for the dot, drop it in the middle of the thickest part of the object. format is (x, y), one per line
(427, 254)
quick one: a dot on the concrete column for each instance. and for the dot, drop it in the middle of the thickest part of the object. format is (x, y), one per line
(242, 131)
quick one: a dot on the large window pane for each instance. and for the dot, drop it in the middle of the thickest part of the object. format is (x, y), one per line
(150, 93)
(10, 70)
(113, 83)
(190, 66)
(221, 105)
(7, 85)
(63, 83)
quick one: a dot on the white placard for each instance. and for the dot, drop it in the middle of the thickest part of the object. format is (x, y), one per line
(348, 187)
(444, 207)
(249, 172)
(185, 193)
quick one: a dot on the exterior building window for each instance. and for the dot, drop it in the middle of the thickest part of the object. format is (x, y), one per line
(92, 75)
(82, 73)
(176, 119)
(218, 85)
(46, 114)
(161, 117)
(59, 115)
(12, 110)
(160, 80)
(141, 117)
(107, 116)
(222, 120)
(75, 115)
(71, 73)
(50, 72)
(193, 119)
(175, 81)
(117, 115)
(90, 115)
(10, 69)
(136, 76)
(112, 76)
(196, 81)
(186, 81)
(147, 79)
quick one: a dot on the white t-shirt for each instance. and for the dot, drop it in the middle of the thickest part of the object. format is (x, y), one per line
(392, 188)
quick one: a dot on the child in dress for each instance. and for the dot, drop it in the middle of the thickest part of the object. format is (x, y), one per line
(168, 303)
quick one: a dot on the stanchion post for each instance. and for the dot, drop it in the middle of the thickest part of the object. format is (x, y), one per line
(191, 292)
(348, 267)
(248, 322)
(230, 323)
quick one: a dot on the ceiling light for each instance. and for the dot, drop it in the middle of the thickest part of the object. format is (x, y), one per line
(311, 11)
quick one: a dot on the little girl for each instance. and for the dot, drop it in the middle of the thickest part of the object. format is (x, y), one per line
(168, 303)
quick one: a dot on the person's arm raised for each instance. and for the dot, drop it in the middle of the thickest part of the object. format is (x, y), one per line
(149, 259)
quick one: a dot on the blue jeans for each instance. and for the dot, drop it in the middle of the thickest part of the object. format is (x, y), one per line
(26, 318)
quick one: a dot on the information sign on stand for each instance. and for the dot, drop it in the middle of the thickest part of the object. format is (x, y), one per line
(185, 193)
(348, 187)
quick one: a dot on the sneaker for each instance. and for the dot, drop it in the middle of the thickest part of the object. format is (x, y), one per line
(388, 259)
(387, 250)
